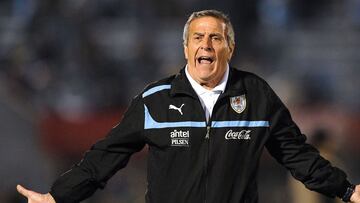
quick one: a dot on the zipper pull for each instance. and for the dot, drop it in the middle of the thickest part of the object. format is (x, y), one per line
(207, 132)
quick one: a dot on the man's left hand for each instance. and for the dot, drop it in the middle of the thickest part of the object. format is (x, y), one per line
(355, 197)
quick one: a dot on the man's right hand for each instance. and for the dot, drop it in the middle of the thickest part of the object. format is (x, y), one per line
(34, 197)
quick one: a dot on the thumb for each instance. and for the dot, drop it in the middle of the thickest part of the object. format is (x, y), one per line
(24, 191)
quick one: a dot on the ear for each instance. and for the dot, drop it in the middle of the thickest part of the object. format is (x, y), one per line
(186, 52)
(231, 51)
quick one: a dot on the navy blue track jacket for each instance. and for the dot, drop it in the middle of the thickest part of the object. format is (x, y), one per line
(191, 160)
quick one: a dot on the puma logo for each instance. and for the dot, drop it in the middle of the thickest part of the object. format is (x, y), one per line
(177, 108)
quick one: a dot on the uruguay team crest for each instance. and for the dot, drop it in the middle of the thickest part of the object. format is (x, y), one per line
(238, 103)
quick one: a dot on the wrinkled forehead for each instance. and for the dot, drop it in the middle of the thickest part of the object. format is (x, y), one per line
(207, 24)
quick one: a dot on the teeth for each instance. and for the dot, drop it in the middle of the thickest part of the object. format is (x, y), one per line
(205, 59)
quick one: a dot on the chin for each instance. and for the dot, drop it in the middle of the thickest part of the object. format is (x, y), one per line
(203, 70)
(206, 77)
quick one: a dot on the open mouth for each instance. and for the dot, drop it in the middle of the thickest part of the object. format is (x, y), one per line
(205, 60)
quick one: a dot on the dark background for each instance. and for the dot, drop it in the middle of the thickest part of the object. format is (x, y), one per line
(68, 69)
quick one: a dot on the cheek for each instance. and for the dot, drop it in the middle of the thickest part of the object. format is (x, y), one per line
(192, 51)
(192, 48)
(223, 55)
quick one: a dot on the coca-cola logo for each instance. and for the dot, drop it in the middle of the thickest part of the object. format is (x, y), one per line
(239, 135)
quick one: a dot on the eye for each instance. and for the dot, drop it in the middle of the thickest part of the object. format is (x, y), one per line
(197, 37)
(216, 38)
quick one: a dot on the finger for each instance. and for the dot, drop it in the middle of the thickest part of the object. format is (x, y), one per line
(24, 191)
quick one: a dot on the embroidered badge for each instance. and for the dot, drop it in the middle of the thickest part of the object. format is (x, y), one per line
(238, 103)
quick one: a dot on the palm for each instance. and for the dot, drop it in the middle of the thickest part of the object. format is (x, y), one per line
(37, 198)
(355, 198)
(34, 197)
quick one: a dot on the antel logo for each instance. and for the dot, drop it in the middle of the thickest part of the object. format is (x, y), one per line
(240, 135)
(178, 134)
(180, 138)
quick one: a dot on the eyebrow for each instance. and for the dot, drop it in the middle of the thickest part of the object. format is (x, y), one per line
(211, 35)
(198, 33)
(216, 34)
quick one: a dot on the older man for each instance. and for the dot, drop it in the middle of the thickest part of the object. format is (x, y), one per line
(206, 128)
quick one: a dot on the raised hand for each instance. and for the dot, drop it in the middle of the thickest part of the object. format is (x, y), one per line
(355, 198)
(34, 197)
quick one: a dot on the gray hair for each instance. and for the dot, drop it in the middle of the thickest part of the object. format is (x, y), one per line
(230, 35)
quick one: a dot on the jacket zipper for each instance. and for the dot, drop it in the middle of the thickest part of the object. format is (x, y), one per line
(207, 136)
(207, 140)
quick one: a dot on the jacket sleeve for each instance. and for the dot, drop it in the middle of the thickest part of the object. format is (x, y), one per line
(288, 146)
(104, 158)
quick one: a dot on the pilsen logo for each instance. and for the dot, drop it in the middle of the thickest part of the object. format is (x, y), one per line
(180, 138)
(238, 103)
(240, 135)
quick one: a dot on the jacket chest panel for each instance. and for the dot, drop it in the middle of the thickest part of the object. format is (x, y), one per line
(180, 122)
(179, 109)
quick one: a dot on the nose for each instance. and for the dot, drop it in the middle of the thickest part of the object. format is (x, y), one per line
(207, 44)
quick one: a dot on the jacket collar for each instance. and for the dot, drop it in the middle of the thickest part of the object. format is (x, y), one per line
(181, 85)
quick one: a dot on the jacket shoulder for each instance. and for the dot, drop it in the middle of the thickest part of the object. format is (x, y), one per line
(249, 78)
(161, 84)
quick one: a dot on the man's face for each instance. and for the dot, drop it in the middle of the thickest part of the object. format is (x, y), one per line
(207, 51)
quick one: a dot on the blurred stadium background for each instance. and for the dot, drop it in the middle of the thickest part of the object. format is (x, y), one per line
(68, 69)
